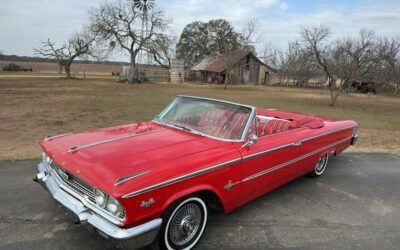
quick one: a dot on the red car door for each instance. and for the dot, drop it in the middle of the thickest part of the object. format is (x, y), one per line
(267, 163)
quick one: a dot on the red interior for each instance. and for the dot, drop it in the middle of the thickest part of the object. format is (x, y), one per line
(228, 125)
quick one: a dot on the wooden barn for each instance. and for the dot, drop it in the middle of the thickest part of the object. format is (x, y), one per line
(244, 66)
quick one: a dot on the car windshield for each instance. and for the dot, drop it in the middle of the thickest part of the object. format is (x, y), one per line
(207, 117)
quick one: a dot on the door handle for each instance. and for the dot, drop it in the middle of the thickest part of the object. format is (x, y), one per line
(296, 144)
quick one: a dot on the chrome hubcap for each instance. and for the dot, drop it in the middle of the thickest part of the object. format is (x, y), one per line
(321, 164)
(185, 224)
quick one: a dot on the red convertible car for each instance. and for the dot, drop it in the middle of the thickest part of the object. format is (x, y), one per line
(154, 182)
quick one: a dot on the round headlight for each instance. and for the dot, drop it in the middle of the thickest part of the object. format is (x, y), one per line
(114, 207)
(46, 158)
(100, 197)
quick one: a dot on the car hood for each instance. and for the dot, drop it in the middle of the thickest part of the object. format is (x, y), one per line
(101, 157)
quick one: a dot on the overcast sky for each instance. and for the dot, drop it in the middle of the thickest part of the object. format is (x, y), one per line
(23, 24)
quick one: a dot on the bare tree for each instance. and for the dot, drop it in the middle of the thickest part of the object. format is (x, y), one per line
(343, 60)
(296, 66)
(162, 48)
(271, 55)
(49, 50)
(389, 54)
(248, 38)
(80, 44)
(355, 57)
(119, 24)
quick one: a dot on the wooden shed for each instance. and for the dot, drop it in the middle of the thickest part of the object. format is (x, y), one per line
(244, 66)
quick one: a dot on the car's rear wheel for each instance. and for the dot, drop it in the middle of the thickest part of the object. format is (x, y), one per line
(183, 224)
(320, 166)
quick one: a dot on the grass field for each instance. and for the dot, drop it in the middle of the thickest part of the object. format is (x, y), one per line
(79, 70)
(31, 108)
(76, 68)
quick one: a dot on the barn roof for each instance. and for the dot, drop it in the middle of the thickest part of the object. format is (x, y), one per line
(217, 63)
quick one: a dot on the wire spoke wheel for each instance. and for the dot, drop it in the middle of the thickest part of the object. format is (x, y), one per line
(185, 224)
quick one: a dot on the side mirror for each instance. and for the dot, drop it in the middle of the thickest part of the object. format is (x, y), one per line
(250, 141)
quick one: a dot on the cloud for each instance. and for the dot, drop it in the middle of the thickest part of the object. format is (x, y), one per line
(283, 6)
(383, 19)
(266, 3)
(238, 12)
(23, 24)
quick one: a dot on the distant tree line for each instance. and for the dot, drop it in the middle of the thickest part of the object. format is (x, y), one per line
(337, 62)
(313, 56)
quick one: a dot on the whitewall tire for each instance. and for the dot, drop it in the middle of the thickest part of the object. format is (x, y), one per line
(183, 224)
(320, 166)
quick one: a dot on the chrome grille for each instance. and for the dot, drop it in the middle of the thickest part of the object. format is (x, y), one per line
(74, 182)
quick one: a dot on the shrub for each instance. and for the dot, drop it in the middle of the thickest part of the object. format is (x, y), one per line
(12, 67)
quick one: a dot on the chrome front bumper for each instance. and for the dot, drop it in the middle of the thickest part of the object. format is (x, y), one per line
(134, 237)
(354, 139)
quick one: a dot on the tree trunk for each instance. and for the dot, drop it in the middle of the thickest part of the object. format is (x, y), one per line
(227, 78)
(132, 68)
(335, 95)
(60, 68)
(396, 89)
(67, 70)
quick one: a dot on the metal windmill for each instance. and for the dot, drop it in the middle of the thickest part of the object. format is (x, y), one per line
(143, 6)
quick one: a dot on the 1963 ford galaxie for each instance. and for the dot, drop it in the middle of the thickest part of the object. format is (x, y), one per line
(153, 182)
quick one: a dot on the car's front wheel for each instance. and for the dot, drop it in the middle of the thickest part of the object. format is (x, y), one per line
(184, 224)
(320, 166)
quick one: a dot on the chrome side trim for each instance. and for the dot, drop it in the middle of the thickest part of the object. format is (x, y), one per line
(247, 157)
(267, 171)
(328, 133)
(181, 178)
(72, 149)
(130, 177)
(221, 165)
(51, 137)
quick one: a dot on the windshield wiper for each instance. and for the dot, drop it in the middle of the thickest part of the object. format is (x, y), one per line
(187, 129)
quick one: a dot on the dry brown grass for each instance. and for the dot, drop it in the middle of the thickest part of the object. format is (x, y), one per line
(31, 108)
